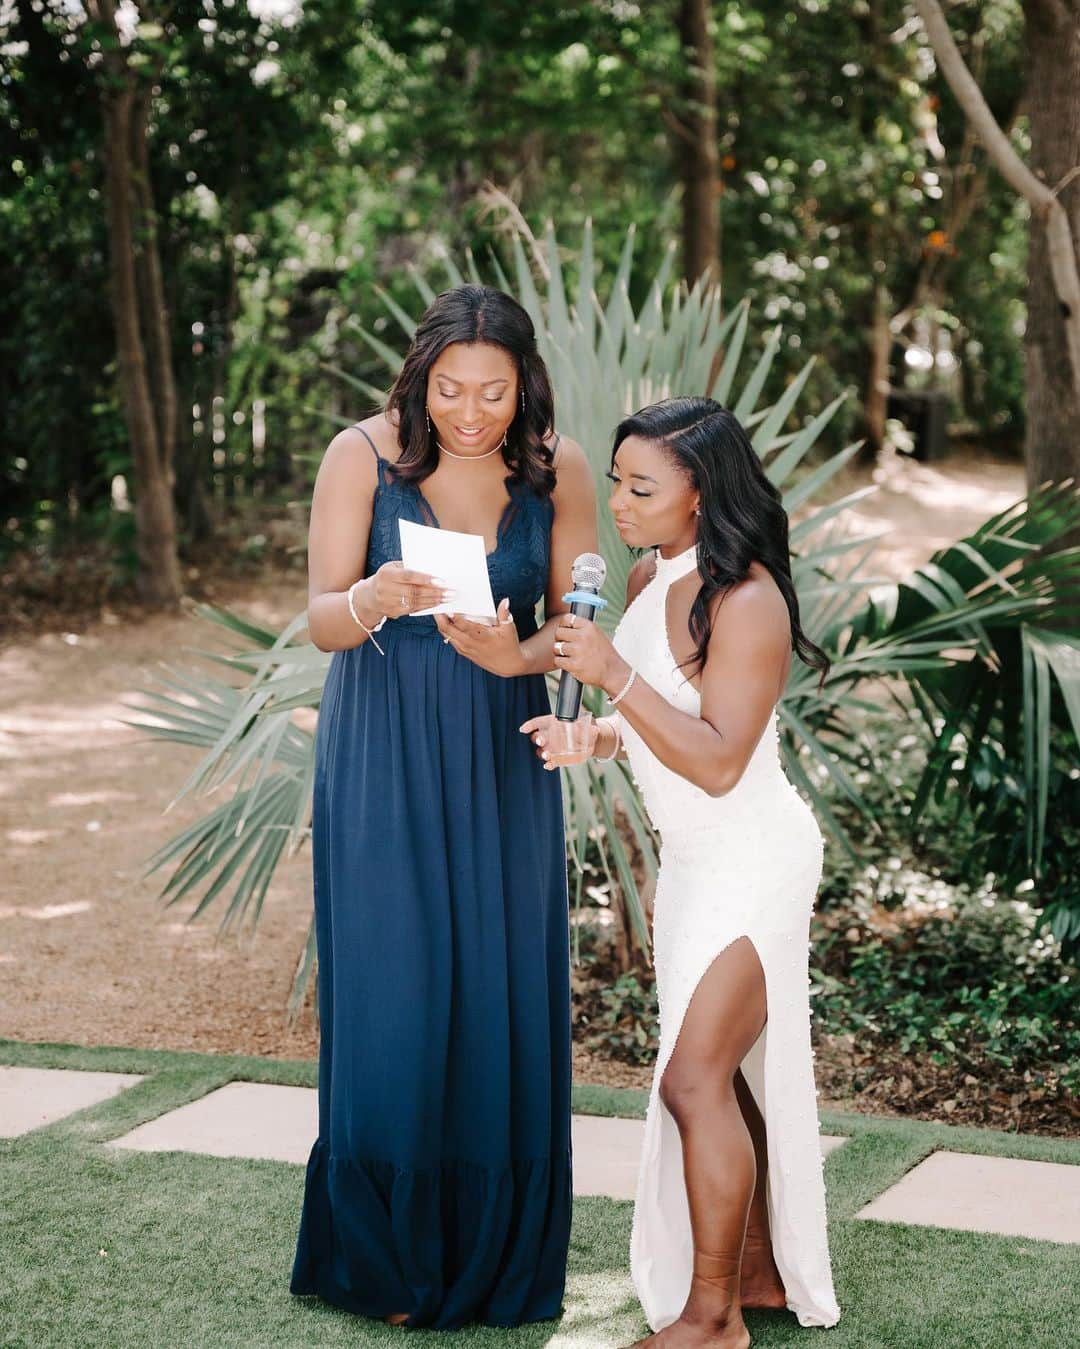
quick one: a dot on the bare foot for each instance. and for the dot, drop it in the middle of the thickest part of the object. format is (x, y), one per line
(693, 1335)
(396, 1318)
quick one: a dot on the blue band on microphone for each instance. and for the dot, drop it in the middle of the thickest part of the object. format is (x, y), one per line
(585, 597)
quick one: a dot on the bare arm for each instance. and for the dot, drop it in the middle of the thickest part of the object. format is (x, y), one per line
(340, 528)
(746, 663)
(609, 732)
(572, 532)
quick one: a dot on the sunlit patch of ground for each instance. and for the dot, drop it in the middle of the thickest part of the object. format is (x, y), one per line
(919, 508)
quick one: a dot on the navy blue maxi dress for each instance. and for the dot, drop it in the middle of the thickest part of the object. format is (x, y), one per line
(440, 1182)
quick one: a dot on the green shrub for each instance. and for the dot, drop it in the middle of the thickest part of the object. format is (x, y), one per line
(626, 1024)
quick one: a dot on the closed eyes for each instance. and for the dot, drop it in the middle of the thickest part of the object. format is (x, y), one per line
(633, 490)
(488, 397)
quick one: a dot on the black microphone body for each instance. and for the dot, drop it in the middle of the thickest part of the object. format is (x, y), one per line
(587, 575)
(568, 702)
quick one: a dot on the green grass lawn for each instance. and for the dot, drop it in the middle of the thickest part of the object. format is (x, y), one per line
(197, 1250)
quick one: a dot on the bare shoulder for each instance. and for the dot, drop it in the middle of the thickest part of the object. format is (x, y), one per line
(568, 453)
(641, 573)
(573, 473)
(348, 466)
(754, 608)
(382, 430)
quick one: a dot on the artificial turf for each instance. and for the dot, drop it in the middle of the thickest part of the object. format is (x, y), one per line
(105, 1248)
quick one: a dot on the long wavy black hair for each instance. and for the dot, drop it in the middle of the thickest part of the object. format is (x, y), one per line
(742, 517)
(476, 314)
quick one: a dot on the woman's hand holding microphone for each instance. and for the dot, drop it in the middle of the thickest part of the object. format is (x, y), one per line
(585, 651)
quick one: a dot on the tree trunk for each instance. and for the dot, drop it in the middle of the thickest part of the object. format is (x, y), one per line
(1049, 183)
(154, 308)
(191, 491)
(877, 388)
(699, 150)
(155, 526)
(1052, 34)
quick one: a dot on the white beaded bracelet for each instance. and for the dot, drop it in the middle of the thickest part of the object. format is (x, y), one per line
(360, 622)
(612, 702)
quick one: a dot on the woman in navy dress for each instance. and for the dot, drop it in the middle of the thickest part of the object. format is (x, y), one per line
(438, 1192)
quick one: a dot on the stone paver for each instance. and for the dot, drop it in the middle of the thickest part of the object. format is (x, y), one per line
(985, 1194)
(241, 1119)
(961, 1191)
(606, 1155)
(250, 1119)
(31, 1097)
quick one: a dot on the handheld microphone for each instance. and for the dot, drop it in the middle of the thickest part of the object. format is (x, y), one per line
(587, 577)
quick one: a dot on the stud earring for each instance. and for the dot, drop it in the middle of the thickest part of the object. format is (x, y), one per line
(697, 510)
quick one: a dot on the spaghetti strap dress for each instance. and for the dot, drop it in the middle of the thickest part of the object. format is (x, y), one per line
(440, 1182)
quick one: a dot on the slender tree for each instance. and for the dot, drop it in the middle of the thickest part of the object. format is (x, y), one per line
(1051, 185)
(138, 312)
(698, 146)
(1053, 326)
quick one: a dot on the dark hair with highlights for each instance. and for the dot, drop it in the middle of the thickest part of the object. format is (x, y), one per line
(742, 516)
(476, 314)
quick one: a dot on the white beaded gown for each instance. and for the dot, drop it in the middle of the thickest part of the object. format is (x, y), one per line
(742, 865)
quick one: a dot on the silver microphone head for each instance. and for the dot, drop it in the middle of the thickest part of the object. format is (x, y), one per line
(588, 571)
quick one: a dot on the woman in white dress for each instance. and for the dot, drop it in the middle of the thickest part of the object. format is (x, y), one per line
(730, 1209)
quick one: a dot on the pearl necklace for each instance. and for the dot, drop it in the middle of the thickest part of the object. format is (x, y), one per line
(486, 455)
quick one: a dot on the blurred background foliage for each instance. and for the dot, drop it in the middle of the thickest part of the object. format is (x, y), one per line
(301, 157)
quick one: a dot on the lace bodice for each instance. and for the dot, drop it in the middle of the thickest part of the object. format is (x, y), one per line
(518, 565)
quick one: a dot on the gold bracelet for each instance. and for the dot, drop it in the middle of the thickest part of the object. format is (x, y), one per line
(360, 622)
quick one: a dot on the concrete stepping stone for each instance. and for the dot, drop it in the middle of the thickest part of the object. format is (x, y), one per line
(241, 1119)
(32, 1097)
(252, 1119)
(969, 1193)
(606, 1153)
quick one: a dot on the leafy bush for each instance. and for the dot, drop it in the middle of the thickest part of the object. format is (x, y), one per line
(914, 964)
(626, 1022)
(920, 950)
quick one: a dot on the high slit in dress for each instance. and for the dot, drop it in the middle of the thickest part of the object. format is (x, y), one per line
(743, 865)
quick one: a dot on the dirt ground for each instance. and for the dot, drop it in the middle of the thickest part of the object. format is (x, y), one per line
(87, 955)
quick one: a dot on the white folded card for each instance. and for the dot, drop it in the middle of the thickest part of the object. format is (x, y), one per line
(460, 560)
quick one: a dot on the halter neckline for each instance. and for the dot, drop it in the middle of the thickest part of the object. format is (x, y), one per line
(672, 568)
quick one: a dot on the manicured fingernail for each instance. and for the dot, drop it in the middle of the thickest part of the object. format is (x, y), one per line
(545, 755)
(540, 741)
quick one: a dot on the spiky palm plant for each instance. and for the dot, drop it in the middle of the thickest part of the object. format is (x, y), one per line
(928, 635)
